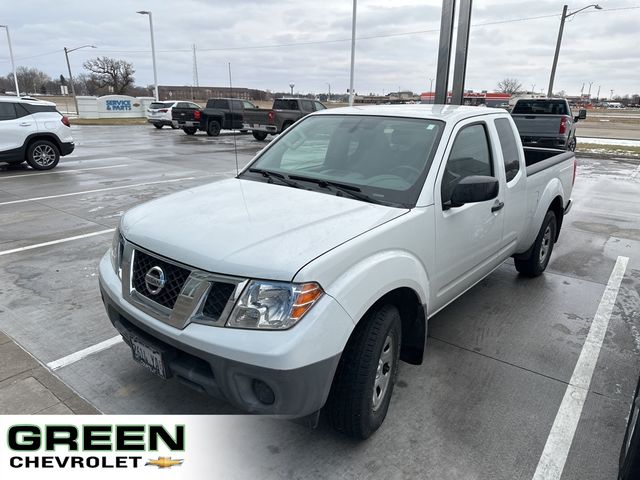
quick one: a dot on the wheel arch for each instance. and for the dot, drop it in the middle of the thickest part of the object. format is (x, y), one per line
(34, 137)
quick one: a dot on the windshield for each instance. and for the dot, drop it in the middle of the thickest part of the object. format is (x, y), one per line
(384, 159)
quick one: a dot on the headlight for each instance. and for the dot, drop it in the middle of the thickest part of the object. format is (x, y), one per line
(117, 250)
(273, 305)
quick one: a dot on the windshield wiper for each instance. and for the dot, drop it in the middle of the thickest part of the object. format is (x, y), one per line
(271, 175)
(351, 190)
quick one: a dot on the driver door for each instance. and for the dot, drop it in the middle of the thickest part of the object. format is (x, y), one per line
(468, 238)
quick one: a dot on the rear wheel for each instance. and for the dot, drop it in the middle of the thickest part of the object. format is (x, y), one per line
(213, 128)
(260, 136)
(286, 125)
(364, 380)
(542, 248)
(158, 125)
(43, 155)
(190, 130)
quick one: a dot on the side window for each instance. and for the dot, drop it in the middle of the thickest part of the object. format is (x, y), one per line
(470, 155)
(237, 105)
(306, 105)
(7, 111)
(194, 105)
(509, 147)
(248, 105)
(319, 106)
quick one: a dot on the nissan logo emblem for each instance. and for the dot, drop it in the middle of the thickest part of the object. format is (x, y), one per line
(155, 280)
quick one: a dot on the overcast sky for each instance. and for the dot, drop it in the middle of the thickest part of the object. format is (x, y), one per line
(599, 46)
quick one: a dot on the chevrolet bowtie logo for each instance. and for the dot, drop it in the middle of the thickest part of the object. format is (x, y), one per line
(164, 462)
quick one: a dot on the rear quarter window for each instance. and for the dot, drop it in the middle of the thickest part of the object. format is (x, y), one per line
(283, 104)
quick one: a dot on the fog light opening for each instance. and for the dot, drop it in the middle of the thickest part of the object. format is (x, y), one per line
(263, 392)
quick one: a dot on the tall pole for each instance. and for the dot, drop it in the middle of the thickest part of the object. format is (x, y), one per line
(13, 65)
(153, 51)
(598, 94)
(73, 88)
(590, 83)
(329, 96)
(195, 67)
(462, 46)
(353, 51)
(444, 51)
(555, 57)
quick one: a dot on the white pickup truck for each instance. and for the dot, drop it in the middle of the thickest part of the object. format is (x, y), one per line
(301, 283)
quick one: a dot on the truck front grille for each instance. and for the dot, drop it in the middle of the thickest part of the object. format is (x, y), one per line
(175, 277)
(217, 299)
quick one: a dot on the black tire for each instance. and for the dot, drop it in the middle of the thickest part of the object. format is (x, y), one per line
(213, 128)
(572, 144)
(43, 155)
(351, 407)
(158, 125)
(286, 125)
(190, 130)
(260, 136)
(542, 248)
(244, 131)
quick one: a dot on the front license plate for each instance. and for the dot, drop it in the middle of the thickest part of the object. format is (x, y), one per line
(148, 356)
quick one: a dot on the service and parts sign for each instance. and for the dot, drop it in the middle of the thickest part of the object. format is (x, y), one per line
(127, 447)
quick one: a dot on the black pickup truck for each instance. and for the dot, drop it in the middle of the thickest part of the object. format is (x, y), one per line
(219, 113)
(284, 113)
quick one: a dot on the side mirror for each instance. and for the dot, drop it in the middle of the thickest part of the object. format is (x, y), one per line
(582, 114)
(474, 189)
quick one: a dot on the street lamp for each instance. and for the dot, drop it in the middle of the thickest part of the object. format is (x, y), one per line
(73, 88)
(153, 51)
(13, 65)
(565, 15)
(291, 85)
(329, 96)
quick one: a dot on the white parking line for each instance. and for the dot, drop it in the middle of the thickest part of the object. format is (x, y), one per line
(35, 199)
(77, 356)
(60, 172)
(55, 242)
(559, 441)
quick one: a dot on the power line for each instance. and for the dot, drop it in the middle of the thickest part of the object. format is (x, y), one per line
(340, 40)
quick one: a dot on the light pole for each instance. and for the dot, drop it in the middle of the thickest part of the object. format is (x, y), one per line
(73, 88)
(353, 51)
(329, 96)
(291, 85)
(153, 52)
(598, 94)
(13, 65)
(565, 15)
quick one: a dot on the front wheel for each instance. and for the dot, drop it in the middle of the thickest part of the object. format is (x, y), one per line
(43, 155)
(542, 248)
(365, 376)
(158, 125)
(573, 143)
(190, 130)
(260, 136)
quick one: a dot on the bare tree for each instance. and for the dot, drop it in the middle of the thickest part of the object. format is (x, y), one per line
(509, 85)
(31, 80)
(111, 73)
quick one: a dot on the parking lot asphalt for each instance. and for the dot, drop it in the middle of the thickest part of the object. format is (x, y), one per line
(499, 359)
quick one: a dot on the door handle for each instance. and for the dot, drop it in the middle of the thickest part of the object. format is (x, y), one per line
(497, 206)
(25, 124)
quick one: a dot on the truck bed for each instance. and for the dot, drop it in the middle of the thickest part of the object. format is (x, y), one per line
(539, 159)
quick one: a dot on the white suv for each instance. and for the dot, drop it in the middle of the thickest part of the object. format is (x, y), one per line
(159, 113)
(33, 131)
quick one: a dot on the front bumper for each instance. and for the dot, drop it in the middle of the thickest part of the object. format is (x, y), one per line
(298, 364)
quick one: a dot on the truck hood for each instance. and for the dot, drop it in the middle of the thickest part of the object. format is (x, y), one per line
(250, 229)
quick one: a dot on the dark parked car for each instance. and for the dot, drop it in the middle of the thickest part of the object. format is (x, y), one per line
(284, 113)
